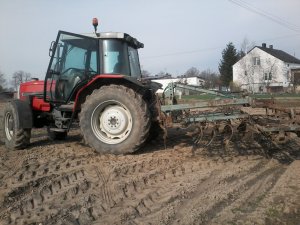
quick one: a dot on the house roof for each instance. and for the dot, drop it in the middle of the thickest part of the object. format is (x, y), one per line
(285, 57)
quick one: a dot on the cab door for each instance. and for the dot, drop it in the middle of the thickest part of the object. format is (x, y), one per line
(74, 60)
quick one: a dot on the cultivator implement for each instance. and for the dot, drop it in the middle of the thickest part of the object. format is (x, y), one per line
(219, 116)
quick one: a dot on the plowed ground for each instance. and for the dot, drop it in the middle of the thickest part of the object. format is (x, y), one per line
(66, 182)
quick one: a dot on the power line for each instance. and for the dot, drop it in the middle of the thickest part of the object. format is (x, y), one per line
(253, 9)
(281, 37)
(212, 48)
(265, 14)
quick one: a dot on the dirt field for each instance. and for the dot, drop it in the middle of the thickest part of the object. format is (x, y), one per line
(66, 182)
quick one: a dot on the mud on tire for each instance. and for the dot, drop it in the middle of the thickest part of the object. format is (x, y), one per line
(115, 119)
(13, 137)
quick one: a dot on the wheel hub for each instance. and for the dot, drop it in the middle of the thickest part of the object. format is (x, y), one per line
(111, 122)
(114, 121)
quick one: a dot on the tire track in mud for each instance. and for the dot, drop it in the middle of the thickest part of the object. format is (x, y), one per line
(136, 184)
(36, 185)
(41, 183)
(163, 191)
(217, 198)
(129, 187)
(39, 186)
(189, 209)
(248, 196)
(37, 197)
(59, 186)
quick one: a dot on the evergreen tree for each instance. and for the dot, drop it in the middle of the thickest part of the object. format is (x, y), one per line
(229, 57)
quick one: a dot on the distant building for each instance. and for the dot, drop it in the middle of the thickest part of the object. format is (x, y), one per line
(195, 81)
(265, 69)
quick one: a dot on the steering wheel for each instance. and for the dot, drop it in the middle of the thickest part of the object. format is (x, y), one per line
(69, 79)
(66, 81)
(78, 72)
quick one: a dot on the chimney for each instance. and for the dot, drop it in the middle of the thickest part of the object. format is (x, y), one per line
(270, 46)
(264, 45)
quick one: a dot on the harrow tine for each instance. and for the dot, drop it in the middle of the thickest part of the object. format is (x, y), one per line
(226, 133)
(206, 136)
(199, 135)
(246, 130)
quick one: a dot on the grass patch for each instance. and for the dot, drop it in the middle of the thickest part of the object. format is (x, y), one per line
(283, 95)
(273, 213)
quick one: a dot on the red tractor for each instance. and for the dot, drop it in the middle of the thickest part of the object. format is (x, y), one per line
(94, 80)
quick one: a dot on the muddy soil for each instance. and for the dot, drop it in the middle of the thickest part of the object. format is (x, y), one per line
(66, 182)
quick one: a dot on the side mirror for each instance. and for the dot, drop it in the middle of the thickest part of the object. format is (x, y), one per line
(52, 47)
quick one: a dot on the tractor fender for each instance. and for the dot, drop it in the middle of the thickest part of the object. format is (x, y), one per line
(23, 113)
(101, 80)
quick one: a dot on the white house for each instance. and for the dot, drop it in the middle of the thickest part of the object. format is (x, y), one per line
(265, 69)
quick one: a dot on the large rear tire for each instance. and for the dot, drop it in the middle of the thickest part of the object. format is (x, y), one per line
(14, 137)
(115, 119)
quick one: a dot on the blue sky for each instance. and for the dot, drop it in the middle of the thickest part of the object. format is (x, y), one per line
(177, 34)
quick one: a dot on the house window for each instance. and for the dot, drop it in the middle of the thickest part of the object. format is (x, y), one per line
(256, 61)
(246, 73)
(268, 76)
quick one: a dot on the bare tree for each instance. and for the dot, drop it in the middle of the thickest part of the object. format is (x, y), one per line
(246, 46)
(247, 77)
(270, 72)
(163, 75)
(2, 81)
(146, 73)
(192, 72)
(20, 77)
(212, 79)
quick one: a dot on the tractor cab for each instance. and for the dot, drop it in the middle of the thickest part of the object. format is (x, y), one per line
(76, 59)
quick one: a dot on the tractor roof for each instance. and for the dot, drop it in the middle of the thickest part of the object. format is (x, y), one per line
(116, 35)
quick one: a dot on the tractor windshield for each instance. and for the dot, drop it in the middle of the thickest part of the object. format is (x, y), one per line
(119, 57)
(74, 59)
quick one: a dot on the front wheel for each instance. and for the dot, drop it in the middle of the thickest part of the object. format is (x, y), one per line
(115, 119)
(14, 137)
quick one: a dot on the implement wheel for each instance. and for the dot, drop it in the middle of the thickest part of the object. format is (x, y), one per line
(115, 119)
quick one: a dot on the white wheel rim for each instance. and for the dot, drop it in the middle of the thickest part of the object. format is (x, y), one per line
(111, 122)
(9, 126)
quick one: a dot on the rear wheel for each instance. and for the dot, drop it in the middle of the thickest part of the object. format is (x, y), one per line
(14, 137)
(115, 119)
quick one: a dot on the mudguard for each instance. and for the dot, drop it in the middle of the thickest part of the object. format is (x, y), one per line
(23, 113)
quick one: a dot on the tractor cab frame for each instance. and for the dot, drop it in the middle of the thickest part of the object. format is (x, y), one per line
(77, 59)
